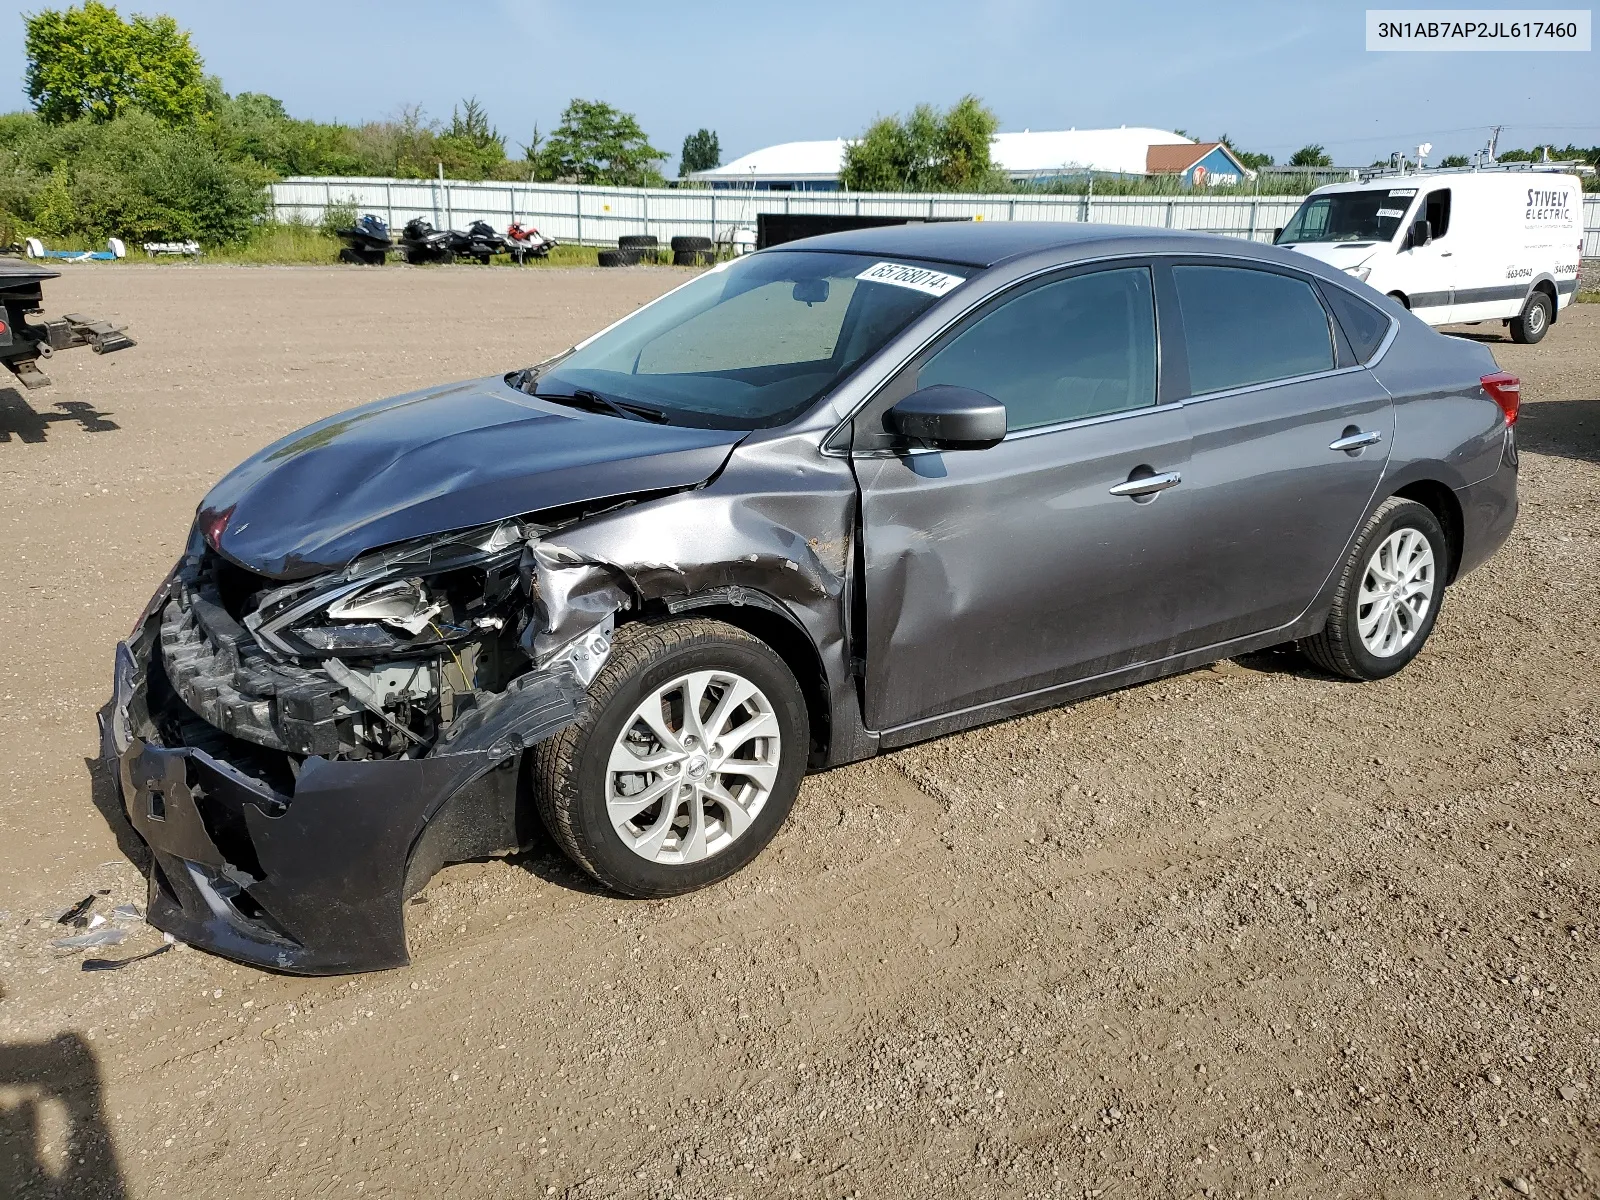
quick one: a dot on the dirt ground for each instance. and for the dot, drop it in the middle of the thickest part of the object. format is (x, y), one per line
(1245, 931)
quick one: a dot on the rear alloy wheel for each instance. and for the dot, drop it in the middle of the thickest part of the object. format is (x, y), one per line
(684, 765)
(1534, 322)
(1388, 595)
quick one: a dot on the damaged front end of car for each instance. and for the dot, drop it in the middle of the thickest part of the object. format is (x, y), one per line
(300, 757)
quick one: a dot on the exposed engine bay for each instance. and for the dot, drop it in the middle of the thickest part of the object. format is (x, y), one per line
(384, 658)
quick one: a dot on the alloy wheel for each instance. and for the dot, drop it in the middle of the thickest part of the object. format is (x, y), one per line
(692, 767)
(1396, 591)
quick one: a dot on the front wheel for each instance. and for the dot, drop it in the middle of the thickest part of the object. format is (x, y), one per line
(1533, 322)
(687, 759)
(1388, 594)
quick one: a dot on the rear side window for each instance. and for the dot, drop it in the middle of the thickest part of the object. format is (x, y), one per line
(1243, 326)
(1363, 325)
(1078, 347)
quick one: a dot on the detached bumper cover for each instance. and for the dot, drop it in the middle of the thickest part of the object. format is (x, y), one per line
(305, 873)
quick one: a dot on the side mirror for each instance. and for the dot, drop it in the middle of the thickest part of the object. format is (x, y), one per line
(949, 418)
(1276, 234)
(1421, 233)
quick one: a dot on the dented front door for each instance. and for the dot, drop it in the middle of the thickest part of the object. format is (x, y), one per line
(993, 573)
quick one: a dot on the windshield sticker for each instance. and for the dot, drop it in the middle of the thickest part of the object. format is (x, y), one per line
(921, 279)
(1391, 212)
(1398, 192)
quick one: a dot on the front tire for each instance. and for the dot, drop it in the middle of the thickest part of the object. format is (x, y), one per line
(686, 761)
(1388, 594)
(1533, 322)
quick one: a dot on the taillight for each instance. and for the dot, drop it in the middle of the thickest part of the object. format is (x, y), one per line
(1505, 389)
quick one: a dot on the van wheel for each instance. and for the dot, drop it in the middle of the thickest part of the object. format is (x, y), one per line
(686, 760)
(1400, 299)
(1534, 322)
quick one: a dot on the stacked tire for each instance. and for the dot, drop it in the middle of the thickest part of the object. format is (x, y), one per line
(693, 252)
(633, 249)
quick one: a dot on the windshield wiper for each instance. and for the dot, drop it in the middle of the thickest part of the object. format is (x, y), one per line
(594, 401)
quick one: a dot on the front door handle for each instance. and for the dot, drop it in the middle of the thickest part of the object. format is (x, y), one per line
(1147, 485)
(1356, 440)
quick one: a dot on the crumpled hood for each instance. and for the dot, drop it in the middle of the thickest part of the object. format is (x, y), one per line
(1339, 255)
(432, 461)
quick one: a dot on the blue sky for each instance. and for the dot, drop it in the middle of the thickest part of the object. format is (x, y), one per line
(1273, 76)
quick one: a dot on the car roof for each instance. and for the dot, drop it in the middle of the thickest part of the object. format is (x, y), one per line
(987, 243)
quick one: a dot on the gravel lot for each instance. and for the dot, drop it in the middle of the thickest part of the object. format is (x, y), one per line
(1249, 930)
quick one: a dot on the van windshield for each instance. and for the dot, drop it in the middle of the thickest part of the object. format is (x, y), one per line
(750, 344)
(1371, 216)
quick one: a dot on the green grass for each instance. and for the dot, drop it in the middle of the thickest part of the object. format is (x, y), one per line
(279, 243)
(1589, 297)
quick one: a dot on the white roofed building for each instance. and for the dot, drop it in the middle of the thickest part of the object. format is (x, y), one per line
(1031, 156)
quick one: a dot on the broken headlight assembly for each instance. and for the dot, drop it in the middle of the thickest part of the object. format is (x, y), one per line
(420, 596)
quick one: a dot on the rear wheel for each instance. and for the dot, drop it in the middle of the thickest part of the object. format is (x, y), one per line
(1533, 322)
(685, 763)
(1388, 595)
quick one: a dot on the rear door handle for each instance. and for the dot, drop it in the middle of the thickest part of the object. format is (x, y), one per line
(1354, 441)
(1147, 485)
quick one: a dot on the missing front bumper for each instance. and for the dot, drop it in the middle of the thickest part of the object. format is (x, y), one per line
(307, 871)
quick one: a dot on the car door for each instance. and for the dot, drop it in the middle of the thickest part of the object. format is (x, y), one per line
(991, 573)
(1289, 434)
(1430, 269)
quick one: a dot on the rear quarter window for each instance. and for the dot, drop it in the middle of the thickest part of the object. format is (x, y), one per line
(1364, 326)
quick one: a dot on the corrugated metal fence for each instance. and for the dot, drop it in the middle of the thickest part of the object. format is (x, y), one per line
(597, 216)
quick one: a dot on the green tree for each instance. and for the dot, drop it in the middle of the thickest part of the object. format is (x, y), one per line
(470, 147)
(701, 152)
(89, 62)
(134, 177)
(1454, 160)
(1310, 156)
(1251, 161)
(598, 144)
(927, 151)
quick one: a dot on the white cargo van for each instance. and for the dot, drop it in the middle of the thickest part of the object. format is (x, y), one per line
(1454, 245)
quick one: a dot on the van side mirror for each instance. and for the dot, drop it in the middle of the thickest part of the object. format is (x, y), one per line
(1421, 233)
(949, 418)
(1277, 234)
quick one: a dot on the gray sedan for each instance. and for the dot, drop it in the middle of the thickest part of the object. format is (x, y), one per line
(833, 498)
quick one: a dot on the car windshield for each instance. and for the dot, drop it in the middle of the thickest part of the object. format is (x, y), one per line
(750, 344)
(1371, 216)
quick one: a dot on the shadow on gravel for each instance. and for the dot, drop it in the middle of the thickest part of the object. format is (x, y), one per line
(53, 1137)
(19, 420)
(1568, 428)
(1281, 660)
(546, 862)
(1490, 334)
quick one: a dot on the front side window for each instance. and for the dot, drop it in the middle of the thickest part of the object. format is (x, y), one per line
(1437, 211)
(1374, 215)
(752, 344)
(1243, 326)
(1078, 347)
